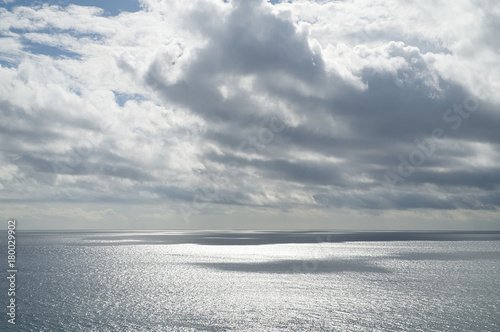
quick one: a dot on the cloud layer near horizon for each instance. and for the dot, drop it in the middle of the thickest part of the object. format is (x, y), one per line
(215, 106)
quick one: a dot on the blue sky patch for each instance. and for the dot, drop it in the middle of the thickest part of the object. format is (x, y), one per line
(122, 98)
(51, 51)
(111, 7)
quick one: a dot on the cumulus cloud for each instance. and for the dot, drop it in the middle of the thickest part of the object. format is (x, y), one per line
(210, 106)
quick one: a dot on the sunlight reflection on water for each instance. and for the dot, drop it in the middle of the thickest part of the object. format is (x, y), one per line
(108, 283)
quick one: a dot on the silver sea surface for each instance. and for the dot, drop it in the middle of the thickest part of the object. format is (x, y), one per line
(170, 281)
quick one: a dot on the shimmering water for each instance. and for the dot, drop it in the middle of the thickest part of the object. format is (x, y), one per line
(167, 281)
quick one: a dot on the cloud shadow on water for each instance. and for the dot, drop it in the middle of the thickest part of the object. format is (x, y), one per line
(298, 266)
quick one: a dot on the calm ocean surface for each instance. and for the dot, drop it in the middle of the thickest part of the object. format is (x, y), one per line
(255, 281)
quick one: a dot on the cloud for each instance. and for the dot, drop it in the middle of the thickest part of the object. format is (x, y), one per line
(303, 104)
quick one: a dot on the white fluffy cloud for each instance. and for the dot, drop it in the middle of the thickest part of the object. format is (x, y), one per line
(220, 108)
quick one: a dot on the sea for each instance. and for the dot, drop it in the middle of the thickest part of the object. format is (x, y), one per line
(254, 281)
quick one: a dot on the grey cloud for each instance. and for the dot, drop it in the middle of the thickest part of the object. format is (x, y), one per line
(319, 173)
(485, 178)
(174, 192)
(325, 117)
(378, 200)
(383, 120)
(251, 41)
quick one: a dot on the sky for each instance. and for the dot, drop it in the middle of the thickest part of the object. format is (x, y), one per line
(165, 114)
